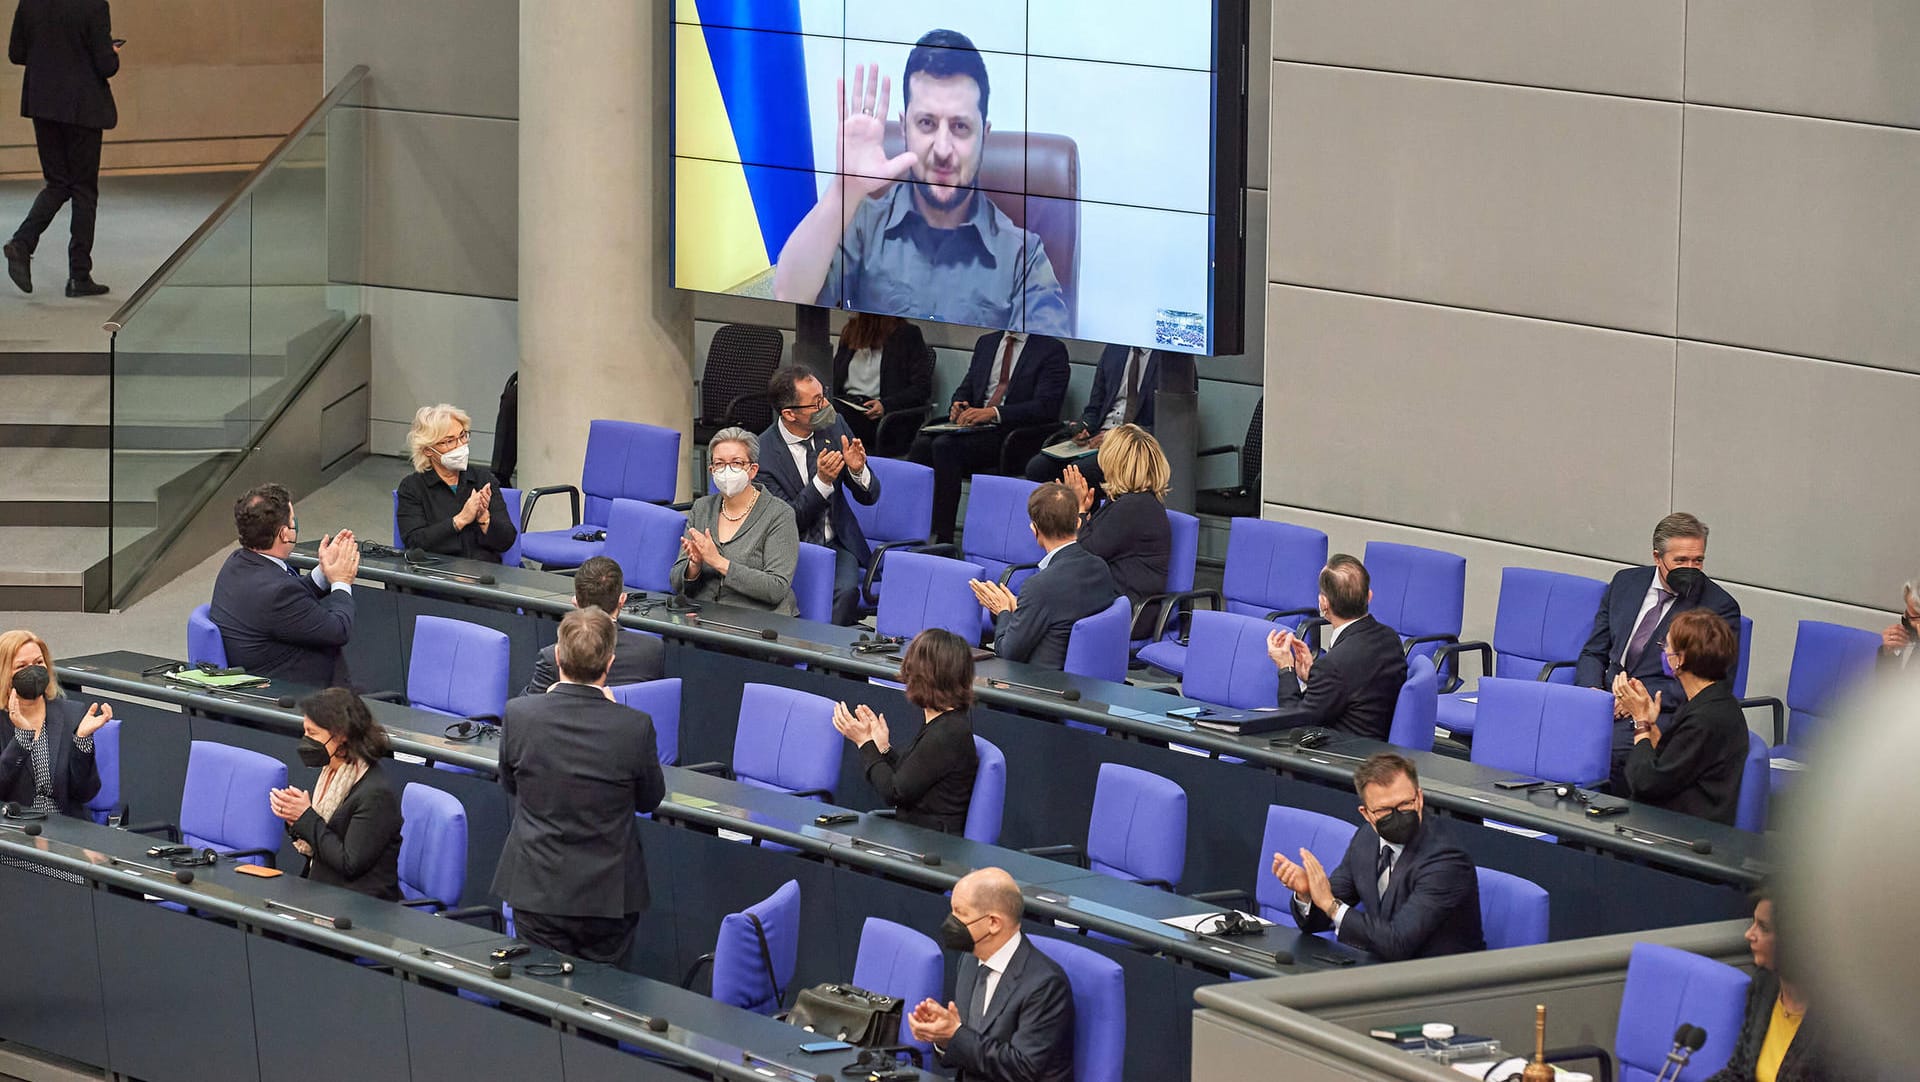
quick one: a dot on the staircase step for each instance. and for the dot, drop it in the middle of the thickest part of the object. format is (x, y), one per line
(54, 399)
(49, 555)
(27, 363)
(53, 474)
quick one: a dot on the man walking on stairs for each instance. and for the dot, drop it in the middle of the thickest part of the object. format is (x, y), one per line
(68, 49)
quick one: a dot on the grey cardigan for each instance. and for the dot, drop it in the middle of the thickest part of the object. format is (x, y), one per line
(761, 557)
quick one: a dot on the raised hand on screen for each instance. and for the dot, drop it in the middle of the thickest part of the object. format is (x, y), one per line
(864, 165)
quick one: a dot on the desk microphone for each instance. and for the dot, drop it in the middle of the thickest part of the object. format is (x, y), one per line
(417, 563)
(1071, 695)
(31, 830)
(654, 1023)
(1687, 1040)
(766, 633)
(498, 970)
(1698, 845)
(182, 876)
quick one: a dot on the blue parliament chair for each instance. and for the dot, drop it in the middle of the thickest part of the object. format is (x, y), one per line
(1097, 645)
(1137, 829)
(1099, 1008)
(1828, 660)
(1288, 831)
(1227, 661)
(458, 669)
(1415, 710)
(998, 535)
(1666, 987)
(1183, 558)
(624, 460)
(901, 518)
(660, 701)
(433, 847)
(204, 643)
(1272, 571)
(644, 539)
(1756, 785)
(1420, 593)
(1553, 731)
(1541, 625)
(785, 741)
(766, 931)
(1513, 911)
(812, 582)
(987, 807)
(1737, 680)
(895, 960)
(223, 805)
(929, 591)
(106, 806)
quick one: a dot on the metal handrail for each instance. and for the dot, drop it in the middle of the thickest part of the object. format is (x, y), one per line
(220, 215)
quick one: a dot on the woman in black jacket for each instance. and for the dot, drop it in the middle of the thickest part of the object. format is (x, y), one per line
(883, 362)
(349, 828)
(1693, 763)
(47, 763)
(447, 505)
(1777, 1041)
(1130, 530)
(930, 780)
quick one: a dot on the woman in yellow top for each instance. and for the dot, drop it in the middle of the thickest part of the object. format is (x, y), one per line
(1776, 1042)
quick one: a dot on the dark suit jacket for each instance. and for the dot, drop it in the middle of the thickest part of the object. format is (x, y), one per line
(281, 625)
(637, 658)
(1109, 378)
(1696, 770)
(1353, 686)
(1132, 534)
(906, 369)
(1038, 386)
(1027, 1035)
(1074, 585)
(1613, 628)
(1805, 1060)
(424, 508)
(1432, 904)
(577, 767)
(67, 48)
(930, 780)
(75, 776)
(779, 476)
(359, 847)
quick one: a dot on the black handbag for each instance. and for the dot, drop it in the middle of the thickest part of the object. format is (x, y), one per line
(849, 1014)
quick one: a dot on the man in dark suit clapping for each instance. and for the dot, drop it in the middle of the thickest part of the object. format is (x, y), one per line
(273, 620)
(1015, 380)
(810, 459)
(1072, 584)
(637, 656)
(1354, 683)
(577, 766)
(68, 50)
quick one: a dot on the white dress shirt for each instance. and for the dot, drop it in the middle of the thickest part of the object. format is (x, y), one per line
(996, 966)
(863, 375)
(797, 447)
(1019, 341)
(319, 579)
(1048, 558)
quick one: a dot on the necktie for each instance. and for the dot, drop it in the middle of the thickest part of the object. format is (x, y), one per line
(1643, 634)
(1006, 372)
(816, 533)
(977, 1002)
(1132, 385)
(1382, 864)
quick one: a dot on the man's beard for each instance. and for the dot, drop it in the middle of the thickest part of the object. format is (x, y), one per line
(955, 198)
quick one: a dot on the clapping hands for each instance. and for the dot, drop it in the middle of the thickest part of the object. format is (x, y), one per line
(861, 725)
(1307, 879)
(1289, 651)
(339, 557)
(994, 597)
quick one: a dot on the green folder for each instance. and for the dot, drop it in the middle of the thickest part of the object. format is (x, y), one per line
(201, 679)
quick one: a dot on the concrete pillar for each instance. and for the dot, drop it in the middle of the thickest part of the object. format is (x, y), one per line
(602, 332)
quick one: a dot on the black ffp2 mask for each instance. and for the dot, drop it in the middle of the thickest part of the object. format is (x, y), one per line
(955, 935)
(31, 682)
(313, 753)
(1397, 826)
(1687, 583)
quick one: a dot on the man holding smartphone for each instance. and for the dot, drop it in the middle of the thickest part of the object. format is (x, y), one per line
(68, 49)
(1898, 641)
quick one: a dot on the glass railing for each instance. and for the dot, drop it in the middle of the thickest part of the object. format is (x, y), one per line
(215, 344)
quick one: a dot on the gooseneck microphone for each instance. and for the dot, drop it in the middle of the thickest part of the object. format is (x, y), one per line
(1071, 695)
(1698, 845)
(766, 633)
(1687, 1040)
(31, 830)
(417, 560)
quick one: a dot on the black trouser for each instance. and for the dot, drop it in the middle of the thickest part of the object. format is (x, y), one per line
(955, 456)
(70, 162)
(597, 939)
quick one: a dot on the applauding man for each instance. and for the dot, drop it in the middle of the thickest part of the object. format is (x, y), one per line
(1353, 685)
(275, 621)
(818, 465)
(1071, 585)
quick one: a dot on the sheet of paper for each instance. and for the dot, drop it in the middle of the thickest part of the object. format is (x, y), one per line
(1194, 922)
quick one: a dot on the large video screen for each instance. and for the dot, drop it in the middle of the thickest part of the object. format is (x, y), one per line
(1064, 167)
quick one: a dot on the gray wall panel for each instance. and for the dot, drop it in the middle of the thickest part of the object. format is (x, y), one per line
(1803, 470)
(1800, 236)
(1630, 47)
(1844, 59)
(1534, 202)
(436, 347)
(430, 56)
(442, 203)
(1454, 420)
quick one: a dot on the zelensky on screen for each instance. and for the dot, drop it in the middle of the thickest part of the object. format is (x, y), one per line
(1063, 167)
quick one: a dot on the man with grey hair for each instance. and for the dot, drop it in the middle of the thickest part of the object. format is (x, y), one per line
(1018, 1022)
(1631, 626)
(1898, 640)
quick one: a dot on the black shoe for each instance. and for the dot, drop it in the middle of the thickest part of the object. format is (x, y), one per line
(84, 287)
(19, 267)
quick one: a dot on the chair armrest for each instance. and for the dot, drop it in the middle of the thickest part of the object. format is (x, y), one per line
(1222, 897)
(1281, 614)
(271, 856)
(1452, 683)
(683, 507)
(1223, 449)
(170, 830)
(874, 561)
(1007, 575)
(1077, 852)
(718, 770)
(918, 415)
(470, 913)
(1422, 640)
(885, 813)
(533, 496)
(1576, 1053)
(727, 414)
(1550, 667)
(387, 697)
(705, 961)
(1309, 629)
(1161, 883)
(1022, 443)
(434, 904)
(823, 794)
(1172, 603)
(1779, 714)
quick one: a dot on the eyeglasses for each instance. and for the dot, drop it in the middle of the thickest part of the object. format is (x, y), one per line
(455, 440)
(1405, 806)
(734, 463)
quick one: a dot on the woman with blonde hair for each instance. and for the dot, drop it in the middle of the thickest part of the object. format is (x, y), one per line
(47, 764)
(1130, 530)
(447, 505)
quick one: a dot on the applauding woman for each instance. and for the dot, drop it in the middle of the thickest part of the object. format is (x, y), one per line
(47, 764)
(741, 545)
(447, 505)
(930, 780)
(349, 827)
(1693, 762)
(1130, 530)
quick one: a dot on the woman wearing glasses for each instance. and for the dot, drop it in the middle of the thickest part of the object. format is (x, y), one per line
(447, 505)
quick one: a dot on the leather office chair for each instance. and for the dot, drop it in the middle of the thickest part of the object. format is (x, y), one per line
(812, 582)
(625, 460)
(106, 807)
(1097, 645)
(1241, 500)
(1137, 829)
(1034, 178)
(1513, 911)
(987, 807)
(895, 960)
(1420, 593)
(1552, 731)
(433, 848)
(644, 539)
(1414, 710)
(1099, 1008)
(1272, 571)
(929, 591)
(741, 361)
(1288, 831)
(740, 973)
(785, 741)
(1666, 987)
(1228, 663)
(1540, 627)
(660, 701)
(204, 642)
(901, 518)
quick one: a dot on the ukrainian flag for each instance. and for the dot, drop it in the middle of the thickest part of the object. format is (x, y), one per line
(744, 145)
